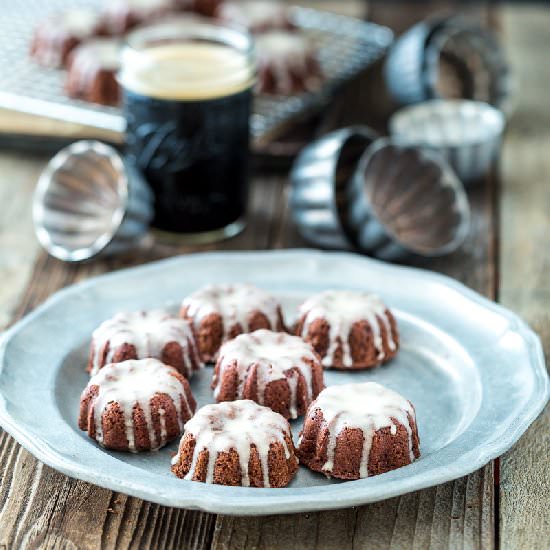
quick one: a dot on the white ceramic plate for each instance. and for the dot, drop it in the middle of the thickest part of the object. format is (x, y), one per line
(474, 371)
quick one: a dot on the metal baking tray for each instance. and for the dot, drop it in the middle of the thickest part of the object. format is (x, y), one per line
(346, 47)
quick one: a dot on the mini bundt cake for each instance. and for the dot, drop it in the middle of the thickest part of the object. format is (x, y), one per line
(120, 16)
(274, 369)
(136, 405)
(221, 312)
(237, 443)
(287, 63)
(144, 334)
(256, 15)
(357, 430)
(92, 72)
(55, 37)
(349, 330)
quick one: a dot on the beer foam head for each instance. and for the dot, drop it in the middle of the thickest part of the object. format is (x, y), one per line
(186, 69)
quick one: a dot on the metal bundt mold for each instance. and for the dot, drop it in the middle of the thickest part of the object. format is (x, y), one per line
(476, 59)
(320, 177)
(467, 133)
(470, 53)
(88, 201)
(406, 200)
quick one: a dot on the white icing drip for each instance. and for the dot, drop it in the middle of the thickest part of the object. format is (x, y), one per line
(234, 303)
(148, 332)
(235, 425)
(101, 53)
(341, 309)
(368, 407)
(132, 383)
(276, 355)
(255, 15)
(79, 22)
(286, 53)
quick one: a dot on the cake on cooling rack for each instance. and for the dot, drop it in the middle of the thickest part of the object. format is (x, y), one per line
(120, 16)
(143, 334)
(136, 405)
(55, 37)
(357, 430)
(287, 63)
(349, 330)
(221, 312)
(92, 69)
(237, 443)
(274, 369)
(256, 15)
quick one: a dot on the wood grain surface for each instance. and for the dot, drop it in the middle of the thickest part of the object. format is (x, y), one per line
(505, 257)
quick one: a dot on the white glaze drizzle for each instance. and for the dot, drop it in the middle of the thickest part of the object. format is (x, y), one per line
(234, 303)
(148, 332)
(368, 407)
(136, 382)
(277, 356)
(235, 425)
(286, 53)
(341, 309)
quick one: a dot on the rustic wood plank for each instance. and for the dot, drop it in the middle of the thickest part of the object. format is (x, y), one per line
(19, 174)
(524, 265)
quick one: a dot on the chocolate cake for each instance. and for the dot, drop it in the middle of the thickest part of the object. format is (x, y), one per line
(237, 443)
(357, 430)
(274, 369)
(136, 405)
(144, 334)
(349, 330)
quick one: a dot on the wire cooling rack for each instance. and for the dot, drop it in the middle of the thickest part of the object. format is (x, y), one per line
(345, 45)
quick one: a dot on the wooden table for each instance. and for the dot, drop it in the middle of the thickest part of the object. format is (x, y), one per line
(507, 258)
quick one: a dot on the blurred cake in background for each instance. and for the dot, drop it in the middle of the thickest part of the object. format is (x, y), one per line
(92, 71)
(257, 16)
(287, 63)
(55, 37)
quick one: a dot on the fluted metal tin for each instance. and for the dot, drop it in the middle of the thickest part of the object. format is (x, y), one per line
(486, 74)
(319, 178)
(404, 67)
(467, 133)
(88, 201)
(412, 68)
(406, 200)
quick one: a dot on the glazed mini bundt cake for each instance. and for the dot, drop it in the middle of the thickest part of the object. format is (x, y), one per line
(349, 330)
(143, 334)
(120, 16)
(287, 63)
(136, 405)
(357, 430)
(237, 443)
(55, 37)
(255, 15)
(221, 312)
(92, 69)
(273, 369)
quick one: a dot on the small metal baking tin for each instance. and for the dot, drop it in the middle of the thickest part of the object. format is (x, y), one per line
(406, 200)
(346, 46)
(467, 133)
(88, 202)
(319, 177)
(412, 66)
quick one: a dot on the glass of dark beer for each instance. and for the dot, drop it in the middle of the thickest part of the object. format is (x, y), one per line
(187, 94)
